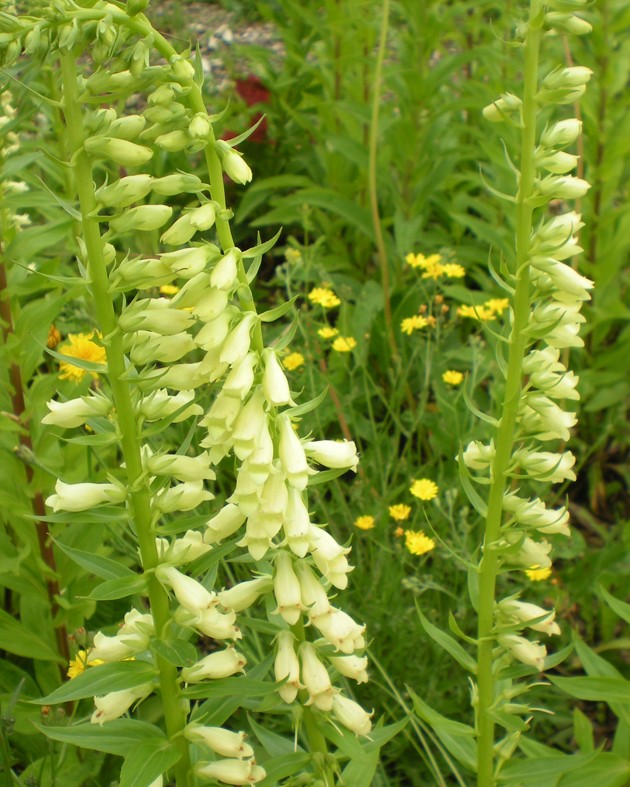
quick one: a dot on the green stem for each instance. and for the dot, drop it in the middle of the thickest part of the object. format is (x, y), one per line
(504, 438)
(139, 491)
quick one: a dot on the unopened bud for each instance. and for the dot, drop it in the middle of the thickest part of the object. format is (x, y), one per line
(233, 163)
(120, 151)
(500, 109)
(173, 141)
(561, 134)
(128, 127)
(125, 191)
(567, 23)
(179, 183)
(144, 217)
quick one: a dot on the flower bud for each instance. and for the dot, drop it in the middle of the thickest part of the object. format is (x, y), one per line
(563, 187)
(233, 163)
(525, 651)
(225, 272)
(187, 263)
(287, 666)
(141, 274)
(245, 594)
(513, 611)
(214, 333)
(217, 665)
(163, 95)
(333, 453)
(549, 375)
(182, 497)
(534, 514)
(315, 678)
(291, 453)
(192, 595)
(351, 715)
(200, 127)
(546, 466)
(210, 305)
(184, 468)
(296, 523)
(224, 524)
(144, 217)
(109, 82)
(149, 347)
(561, 78)
(287, 589)
(159, 405)
(532, 553)
(249, 424)
(120, 151)
(127, 127)
(501, 109)
(275, 383)
(173, 141)
(314, 597)
(218, 625)
(223, 742)
(354, 667)
(75, 412)
(179, 183)
(155, 314)
(340, 630)
(567, 23)
(182, 69)
(239, 381)
(543, 419)
(561, 134)
(183, 550)
(114, 704)
(557, 162)
(240, 772)
(123, 192)
(117, 648)
(81, 497)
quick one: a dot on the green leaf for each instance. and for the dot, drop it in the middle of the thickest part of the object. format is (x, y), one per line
(324, 476)
(89, 366)
(360, 772)
(21, 641)
(458, 738)
(275, 745)
(583, 731)
(543, 771)
(621, 608)
(479, 504)
(230, 687)
(306, 407)
(176, 651)
(285, 765)
(607, 770)
(146, 761)
(261, 248)
(103, 567)
(104, 678)
(120, 587)
(595, 689)
(382, 735)
(114, 737)
(278, 311)
(450, 645)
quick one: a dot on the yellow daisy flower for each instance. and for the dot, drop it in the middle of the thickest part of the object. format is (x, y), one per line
(364, 522)
(453, 270)
(327, 332)
(80, 663)
(420, 261)
(537, 574)
(400, 512)
(424, 489)
(497, 305)
(293, 361)
(169, 289)
(418, 543)
(452, 377)
(292, 256)
(411, 324)
(324, 297)
(80, 346)
(344, 344)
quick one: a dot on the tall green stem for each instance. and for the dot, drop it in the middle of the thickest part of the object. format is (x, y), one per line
(139, 492)
(504, 437)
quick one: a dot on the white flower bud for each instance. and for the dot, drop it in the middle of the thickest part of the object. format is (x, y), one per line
(224, 524)
(155, 314)
(562, 78)
(291, 453)
(158, 405)
(315, 678)
(180, 231)
(246, 493)
(351, 715)
(238, 342)
(81, 497)
(213, 334)
(275, 383)
(534, 514)
(149, 347)
(333, 453)
(217, 665)
(525, 651)
(543, 419)
(200, 127)
(513, 611)
(225, 272)
(210, 305)
(478, 456)
(114, 704)
(561, 134)
(314, 597)
(245, 594)
(286, 589)
(545, 465)
(239, 381)
(296, 523)
(233, 163)
(182, 497)
(260, 461)
(173, 141)
(75, 412)
(185, 549)
(549, 375)
(239, 772)
(192, 595)
(249, 424)
(287, 666)
(123, 192)
(558, 322)
(557, 162)
(120, 151)
(563, 277)
(122, 646)
(532, 554)
(218, 625)
(340, 630)
(500, 109)
(127, 127)
(141, 274)
(223, 742)
(182, 69)
(563, 187)
(329, 557)
(203, 217)
(567, 23)
(184, 468)
(187, 263)
(354, 667)
(178, 183)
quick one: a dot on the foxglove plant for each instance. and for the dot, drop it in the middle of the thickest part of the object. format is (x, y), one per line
(546, 297)
(161, 355)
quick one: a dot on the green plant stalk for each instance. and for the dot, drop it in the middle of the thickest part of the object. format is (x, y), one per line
(139, 493)
(504, 437)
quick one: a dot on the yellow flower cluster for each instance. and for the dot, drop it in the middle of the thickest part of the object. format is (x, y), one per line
(432, 266)
(418, 543)
(415, 323)
(344, 344)
(365, 522)
(80, 345)
(488, 311)
(293, 361)
(452, 377)
(324, 297)
(327, 332)
(424, 489)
